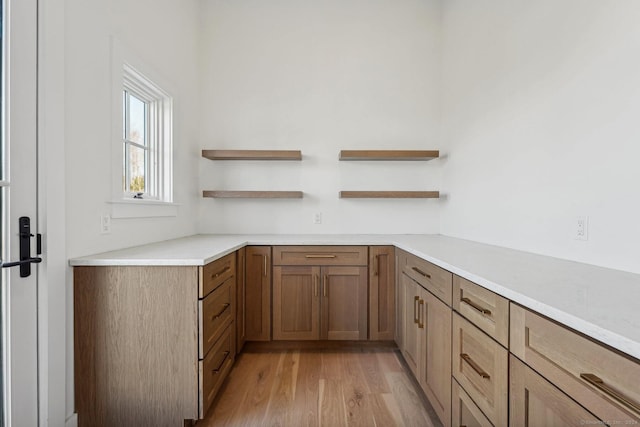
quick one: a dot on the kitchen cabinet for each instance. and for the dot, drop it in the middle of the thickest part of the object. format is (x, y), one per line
(241, 330)
(258, 293)
(464, 411)
(153, 344)
(599, 379)
(535, 402)
(320, 293)
(382, 293)
(426, 344)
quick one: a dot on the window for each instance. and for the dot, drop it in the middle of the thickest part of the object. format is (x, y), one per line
(146, 139)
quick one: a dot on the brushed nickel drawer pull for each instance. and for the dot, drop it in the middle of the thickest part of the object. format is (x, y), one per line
(615, 394)
(224, 308)
(420, 272)
(320, 256)
(420, 314)
(221, 272)
(416, 299)
(476, 306)
(215, 371)
(475, 366)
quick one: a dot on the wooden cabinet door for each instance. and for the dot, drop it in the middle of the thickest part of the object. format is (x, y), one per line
(435, 356)
(412, 335)
(258, 293)
(241, 330)
(382, 291)
(464, 411)
(535, 402)
(296, 302)
(344, 303)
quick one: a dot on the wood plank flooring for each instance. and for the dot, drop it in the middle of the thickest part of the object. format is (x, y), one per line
(353, 387)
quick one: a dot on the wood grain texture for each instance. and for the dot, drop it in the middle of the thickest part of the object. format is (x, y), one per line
(296, 302)
(136, 345)
(216, 273)
(464, 412)
(319, 388)
(435, 279)
(389, 194)
(258, 293)
(229, 194)
(241, 330)
(252, 154)
(389, 154)
(344, 308)
(382, 293)
(320, 255)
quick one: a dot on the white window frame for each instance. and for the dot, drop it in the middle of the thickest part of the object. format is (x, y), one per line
(121, 205)
(158, 167)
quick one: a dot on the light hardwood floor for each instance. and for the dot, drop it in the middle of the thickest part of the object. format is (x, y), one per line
(363, 387)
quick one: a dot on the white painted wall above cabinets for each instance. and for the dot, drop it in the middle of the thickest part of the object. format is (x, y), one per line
(541, 108)
(320, 77)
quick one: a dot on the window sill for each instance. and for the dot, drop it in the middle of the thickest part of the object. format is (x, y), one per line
(141, 208)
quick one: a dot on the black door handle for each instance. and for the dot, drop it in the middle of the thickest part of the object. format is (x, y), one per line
(24, 224)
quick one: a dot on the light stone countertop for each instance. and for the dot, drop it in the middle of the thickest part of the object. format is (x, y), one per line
(599, 302)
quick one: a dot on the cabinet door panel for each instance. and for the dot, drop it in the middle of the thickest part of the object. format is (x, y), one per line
(258, 293)
(295, 303)
(382, 290)
(535, 402)
(412, 338)
(435, 376)
(344, 303)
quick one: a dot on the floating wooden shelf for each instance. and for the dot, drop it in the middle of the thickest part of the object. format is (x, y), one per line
(389, 194)
(389, 154)
(252, 154)
(253, 194)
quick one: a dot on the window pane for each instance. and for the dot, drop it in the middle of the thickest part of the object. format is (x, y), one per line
(137, 167)
(137, 120)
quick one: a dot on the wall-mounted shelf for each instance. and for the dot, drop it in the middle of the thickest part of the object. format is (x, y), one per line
(253, 194)
(421, 155)
(389, 194)
(252, 154)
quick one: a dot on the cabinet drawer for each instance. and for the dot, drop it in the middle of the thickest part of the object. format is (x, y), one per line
(464, 412)
(601, 380)
(485, 309)
(480, 366)
(320, 255)
(215, 313)
(214, 368)
(433, 278)
(216, 273)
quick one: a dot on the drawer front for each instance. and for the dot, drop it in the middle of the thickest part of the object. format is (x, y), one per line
(216, 313)
(601, 380)
(214, 368)
(433, 278)
(485, 309)
(216, 273)
(320, 255)
(464, 412)
(480, 366)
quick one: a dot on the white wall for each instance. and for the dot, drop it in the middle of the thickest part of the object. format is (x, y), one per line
(163, 37)
(541, 108)
(320, 77)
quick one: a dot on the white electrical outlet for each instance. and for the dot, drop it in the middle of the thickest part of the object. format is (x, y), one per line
(582, 228)
(317, 218)
(105, 224)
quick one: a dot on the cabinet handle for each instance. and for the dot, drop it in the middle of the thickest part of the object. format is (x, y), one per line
(416, 299)
(265, 266)
(324, 288)
(221, 272)
(224, 308)
(420, 272)
(215, 371)
(420, 314)
(476, 306)
(376, 265)
(320, 256)
(475, 366)
(615, 394)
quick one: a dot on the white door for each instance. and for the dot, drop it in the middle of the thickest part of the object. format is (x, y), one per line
(18, 164)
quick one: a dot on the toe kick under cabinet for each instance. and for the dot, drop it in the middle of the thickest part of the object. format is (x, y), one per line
(153, 344)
